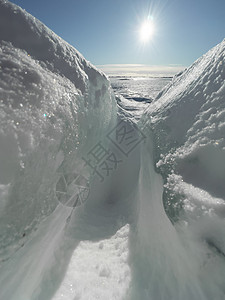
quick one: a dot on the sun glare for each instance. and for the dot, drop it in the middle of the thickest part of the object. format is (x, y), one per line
(146, 31)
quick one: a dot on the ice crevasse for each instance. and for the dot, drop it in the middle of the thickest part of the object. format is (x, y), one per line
(55, 106)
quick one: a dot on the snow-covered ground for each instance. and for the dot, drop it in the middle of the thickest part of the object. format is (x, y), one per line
(98, 270)
(134, 94)
(150, 227)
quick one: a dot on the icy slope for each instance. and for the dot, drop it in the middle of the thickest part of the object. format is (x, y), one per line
(187, 122)
(53, 106)
(188, 118)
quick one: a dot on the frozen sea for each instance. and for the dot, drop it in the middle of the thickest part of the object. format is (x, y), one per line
(139, 88)
(135, 93)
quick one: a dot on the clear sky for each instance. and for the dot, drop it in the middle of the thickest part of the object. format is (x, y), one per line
(107, 31)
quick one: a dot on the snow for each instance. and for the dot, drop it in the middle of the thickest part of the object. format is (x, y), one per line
(133, 94)
(48, 93)
(98, 269)
(154, 228)
(195, 101)
(186, 120)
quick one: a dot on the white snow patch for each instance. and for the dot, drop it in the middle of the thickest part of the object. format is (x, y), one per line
(98, 270)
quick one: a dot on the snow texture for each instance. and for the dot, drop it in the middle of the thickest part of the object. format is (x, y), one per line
(187, 123)
(188, 120)
(154, 230)
(53, 102)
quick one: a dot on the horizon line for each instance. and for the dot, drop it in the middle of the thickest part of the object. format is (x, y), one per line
(141, 69)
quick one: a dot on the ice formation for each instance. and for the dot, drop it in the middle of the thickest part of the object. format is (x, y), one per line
(187, 123)
(188, 120)
(154, 230)
(54, 106)
(53, 102)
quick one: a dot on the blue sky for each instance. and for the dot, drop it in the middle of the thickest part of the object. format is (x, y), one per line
(106, 31)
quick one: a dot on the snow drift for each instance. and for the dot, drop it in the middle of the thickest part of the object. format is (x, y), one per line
(187, 123)
(54, 105)
(188, 120)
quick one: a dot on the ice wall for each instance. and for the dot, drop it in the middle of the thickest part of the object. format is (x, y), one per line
(187, 123)
(53, 106)
(187, 118)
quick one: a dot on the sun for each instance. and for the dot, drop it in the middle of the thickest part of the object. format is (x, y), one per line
(146, 31)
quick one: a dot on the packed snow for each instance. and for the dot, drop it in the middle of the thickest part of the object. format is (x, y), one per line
(53, 103)
(186, 120)
(153, 227)
(98, 269)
